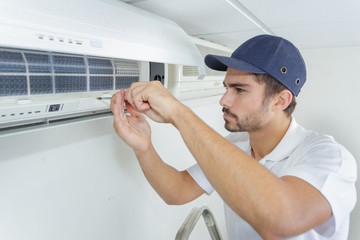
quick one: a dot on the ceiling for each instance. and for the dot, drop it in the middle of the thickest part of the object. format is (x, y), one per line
(307, 23)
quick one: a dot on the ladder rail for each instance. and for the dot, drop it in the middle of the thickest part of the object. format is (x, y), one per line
(192, 219)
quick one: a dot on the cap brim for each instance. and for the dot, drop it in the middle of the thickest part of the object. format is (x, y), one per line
(221, 63)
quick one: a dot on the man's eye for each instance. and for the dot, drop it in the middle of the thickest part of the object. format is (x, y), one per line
(240, 90)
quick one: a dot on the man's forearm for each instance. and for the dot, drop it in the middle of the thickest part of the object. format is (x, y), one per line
(173, 186)
(225, 166)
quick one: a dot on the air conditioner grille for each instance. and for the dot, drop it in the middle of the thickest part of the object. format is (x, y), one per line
(125, 81)
(37, 58)
(98, 83)
(27, 72)
(13, 85)
(126, 67)
(7, 56)
(41, 85)
(65, 84)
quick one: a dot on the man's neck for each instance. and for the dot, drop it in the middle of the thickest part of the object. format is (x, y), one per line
(265, 140)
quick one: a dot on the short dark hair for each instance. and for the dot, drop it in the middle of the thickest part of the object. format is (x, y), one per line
(273, 87)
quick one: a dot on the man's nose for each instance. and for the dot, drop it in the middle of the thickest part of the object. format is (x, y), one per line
(226, 100)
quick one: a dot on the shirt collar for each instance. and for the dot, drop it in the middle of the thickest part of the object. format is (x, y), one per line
(292, 138)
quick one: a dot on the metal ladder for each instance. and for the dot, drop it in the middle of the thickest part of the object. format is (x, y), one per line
(191, 220)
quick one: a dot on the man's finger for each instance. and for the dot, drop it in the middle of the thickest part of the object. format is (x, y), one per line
(135, 95)
(118, 106)
(132, 111)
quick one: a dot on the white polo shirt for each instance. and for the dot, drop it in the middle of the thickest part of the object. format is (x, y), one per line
(313, 157)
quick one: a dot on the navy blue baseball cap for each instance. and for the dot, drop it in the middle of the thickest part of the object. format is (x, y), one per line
(266, 54)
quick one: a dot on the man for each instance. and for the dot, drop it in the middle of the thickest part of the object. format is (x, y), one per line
(277, 179)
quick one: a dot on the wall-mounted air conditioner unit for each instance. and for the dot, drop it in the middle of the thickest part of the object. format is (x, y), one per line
(59, 59)
(186, 84)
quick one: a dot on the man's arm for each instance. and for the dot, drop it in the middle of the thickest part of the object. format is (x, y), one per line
(275, 207)
(174, 187)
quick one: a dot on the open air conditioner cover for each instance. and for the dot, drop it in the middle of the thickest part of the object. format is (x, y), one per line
(101, 28)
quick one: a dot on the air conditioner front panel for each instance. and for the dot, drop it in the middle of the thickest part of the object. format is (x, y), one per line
(124, 32)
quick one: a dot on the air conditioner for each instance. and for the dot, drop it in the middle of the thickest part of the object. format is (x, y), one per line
(186, 84)
(63, 59)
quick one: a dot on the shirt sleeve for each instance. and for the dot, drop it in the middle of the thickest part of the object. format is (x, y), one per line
(197, 174)
(331, 169)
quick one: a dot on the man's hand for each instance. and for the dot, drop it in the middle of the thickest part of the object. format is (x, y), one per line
(133, 129)
(154, 100)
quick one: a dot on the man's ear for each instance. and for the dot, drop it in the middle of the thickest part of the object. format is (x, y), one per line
(282, 100)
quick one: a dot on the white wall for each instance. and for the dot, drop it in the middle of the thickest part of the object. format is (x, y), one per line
(80, 181)
(329, 103)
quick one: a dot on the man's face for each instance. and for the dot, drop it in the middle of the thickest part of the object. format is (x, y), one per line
(244, 107)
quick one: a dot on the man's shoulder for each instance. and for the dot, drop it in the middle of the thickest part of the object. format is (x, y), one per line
(322, 147)
(311, 138)
(315, 139)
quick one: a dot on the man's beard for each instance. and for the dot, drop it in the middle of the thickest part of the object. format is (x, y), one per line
(249, 123)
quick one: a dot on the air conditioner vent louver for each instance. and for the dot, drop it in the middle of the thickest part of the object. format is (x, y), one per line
(26, 72)
(191, 71)
(189, 86)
